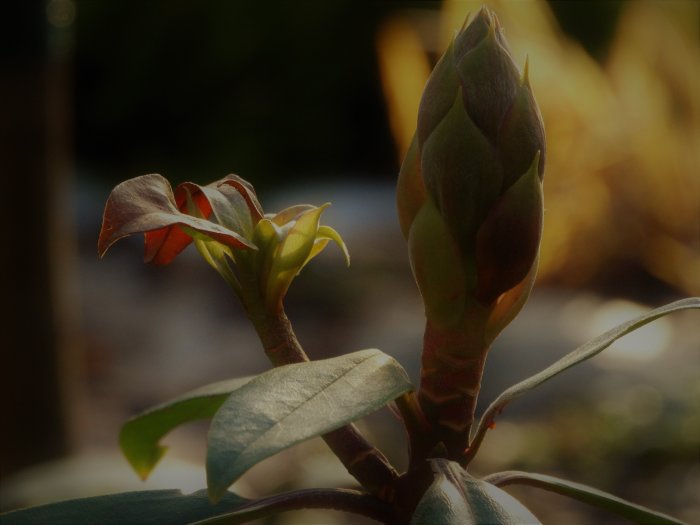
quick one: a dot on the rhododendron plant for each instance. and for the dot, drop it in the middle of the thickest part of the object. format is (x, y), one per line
(470, 205)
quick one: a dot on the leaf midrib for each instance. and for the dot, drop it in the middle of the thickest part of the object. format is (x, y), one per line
(297, 408)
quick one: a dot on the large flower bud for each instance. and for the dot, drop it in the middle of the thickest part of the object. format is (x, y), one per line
(475, 165)
(470, 204)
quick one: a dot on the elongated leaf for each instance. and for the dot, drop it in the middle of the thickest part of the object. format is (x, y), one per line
(292, 403)
(140, 435)
(151, 507)
(456, 498)
(598, 498)
(344, 500)
(582, 353)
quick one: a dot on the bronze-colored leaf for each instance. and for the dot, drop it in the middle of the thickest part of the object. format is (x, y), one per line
(146, 204)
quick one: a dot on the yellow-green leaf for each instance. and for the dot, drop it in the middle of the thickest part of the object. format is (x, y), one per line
(140, 436)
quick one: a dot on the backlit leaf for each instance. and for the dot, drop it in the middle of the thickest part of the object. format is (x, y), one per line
(140, 436)
(291, 253)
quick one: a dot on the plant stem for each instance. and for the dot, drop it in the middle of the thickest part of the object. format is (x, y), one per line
(452, 366)
(416, 425)
(363, 461)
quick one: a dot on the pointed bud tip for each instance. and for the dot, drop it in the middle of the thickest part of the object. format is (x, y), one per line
(485, 14)
(484, 18)
(489, 18)
(466, 22)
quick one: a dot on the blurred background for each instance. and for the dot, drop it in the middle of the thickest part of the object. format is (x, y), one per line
(315, 102)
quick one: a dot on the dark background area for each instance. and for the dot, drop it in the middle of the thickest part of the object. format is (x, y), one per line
(276, 91)
(271, 91)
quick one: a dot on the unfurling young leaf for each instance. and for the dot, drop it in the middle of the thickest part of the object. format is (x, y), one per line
(223, 219)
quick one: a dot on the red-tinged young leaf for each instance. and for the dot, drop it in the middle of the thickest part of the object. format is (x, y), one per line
(146, 204)
(246, 189)
(225, 202)
(163, 245)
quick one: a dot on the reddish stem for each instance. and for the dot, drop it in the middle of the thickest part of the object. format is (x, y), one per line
(452, 366)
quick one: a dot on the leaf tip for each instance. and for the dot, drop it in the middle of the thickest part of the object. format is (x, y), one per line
(215, 493)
